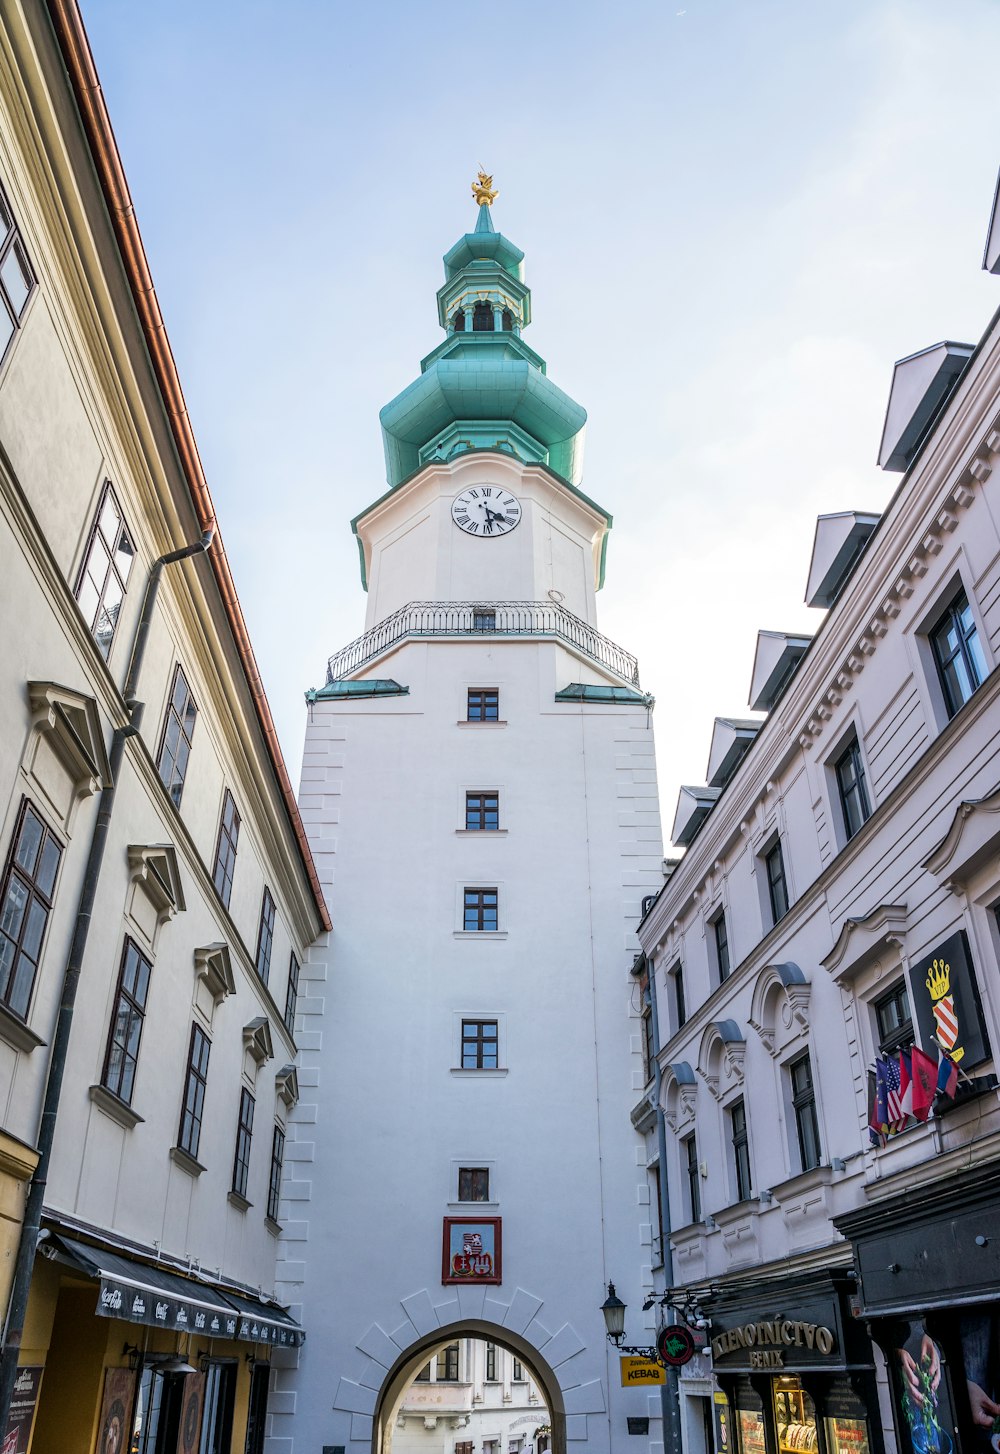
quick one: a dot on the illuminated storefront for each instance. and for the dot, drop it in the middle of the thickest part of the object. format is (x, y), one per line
(794, 1367)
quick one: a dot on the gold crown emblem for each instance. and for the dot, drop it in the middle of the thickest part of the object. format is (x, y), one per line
(939, 979)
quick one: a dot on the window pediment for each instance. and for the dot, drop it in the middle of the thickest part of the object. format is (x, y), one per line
(286, 1084)
(257, 1040)
(153, 868)
(721, 1056)
(861, 940)
(780, 1008)
(75, 725)
(972, 839)
(678, 1094)
(213, 968)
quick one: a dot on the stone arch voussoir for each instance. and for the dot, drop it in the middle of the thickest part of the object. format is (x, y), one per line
(391, 1351)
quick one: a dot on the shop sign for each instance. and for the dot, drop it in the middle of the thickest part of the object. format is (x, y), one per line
(471, 1250)
(162, 1310)
(767, 1342)
(675, 1344)
(641, 1370)
(945, 1001)
(22, 1411)
(722, 1421)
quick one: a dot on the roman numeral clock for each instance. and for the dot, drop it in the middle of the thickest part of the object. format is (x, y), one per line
(486, 511)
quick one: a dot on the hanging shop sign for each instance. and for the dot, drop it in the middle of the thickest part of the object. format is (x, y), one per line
(471, 1250)
(946, 1005)
(641, 1370)
(163, 1309)
(676, 1345)
(767, 1343)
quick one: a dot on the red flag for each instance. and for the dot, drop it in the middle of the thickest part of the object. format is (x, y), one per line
(905, 1085)
(924, 1073)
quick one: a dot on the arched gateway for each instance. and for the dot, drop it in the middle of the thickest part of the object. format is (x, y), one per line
(367, 1396)
(479, 790)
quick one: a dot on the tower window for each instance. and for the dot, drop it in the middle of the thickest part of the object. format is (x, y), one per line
(480, 913)
(483, 705)
(507, 320)
(482, 318)
(482, 811)
(474, 1184)
(458, 321)
(479, 1045)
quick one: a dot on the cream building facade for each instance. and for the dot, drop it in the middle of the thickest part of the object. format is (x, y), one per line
(130, 707)
(473, 1397)
(830, 930)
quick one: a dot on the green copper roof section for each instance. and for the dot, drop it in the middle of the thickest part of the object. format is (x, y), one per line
(373, 687)
(587, 692)
(485, 378)
(484, 244)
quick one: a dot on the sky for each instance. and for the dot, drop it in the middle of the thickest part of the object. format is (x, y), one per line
(736, 215)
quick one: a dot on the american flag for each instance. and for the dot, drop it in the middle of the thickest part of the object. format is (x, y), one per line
(894, 1096)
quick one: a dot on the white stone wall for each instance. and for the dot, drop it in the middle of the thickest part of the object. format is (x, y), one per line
(383, 788)
(862, 911)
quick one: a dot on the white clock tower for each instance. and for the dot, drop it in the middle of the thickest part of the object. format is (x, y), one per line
(479, 788)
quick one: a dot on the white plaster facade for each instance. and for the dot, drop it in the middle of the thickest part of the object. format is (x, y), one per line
(865, 908)
(81, 413)
(396, 1116)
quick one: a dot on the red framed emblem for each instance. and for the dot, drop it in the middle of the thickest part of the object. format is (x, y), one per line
(471, 1250)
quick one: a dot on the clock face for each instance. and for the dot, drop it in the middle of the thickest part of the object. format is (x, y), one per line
(486, 511)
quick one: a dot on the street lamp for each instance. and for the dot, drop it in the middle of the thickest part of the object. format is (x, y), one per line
(614, 1316)
(675, 1343)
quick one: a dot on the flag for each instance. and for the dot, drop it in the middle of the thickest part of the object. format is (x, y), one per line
(881, 1110)
(924, 1082)
(894, 1110)
(947, 1076)
(905, 1084)
(874, 1121)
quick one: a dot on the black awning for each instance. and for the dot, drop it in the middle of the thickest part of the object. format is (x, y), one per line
(157, 1297)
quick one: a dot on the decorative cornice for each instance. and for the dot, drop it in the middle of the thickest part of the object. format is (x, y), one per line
(972, 838)
(153, 867)
(860, 940)
(73, 724)
(286, 1085)
(722, 1049)
(776, 983)
(213, 965)
(257, 1040)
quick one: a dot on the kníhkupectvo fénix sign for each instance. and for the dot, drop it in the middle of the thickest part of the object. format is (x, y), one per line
(767, 1342)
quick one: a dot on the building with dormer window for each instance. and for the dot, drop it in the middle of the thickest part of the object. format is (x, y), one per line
(828, 1076)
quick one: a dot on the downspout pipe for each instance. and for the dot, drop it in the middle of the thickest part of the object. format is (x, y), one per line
(31, 1227)
(670, 1394)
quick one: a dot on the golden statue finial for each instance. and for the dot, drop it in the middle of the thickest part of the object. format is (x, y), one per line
(483, 190)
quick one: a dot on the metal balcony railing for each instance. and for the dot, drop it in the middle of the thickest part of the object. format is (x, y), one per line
(483, 618)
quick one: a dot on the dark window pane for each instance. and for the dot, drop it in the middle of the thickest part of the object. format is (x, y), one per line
(959, 653)
(29, 840)
(25, 900)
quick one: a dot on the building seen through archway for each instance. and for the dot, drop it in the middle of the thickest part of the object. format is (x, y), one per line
(471, 1397)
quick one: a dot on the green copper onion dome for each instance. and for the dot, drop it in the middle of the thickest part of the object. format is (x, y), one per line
(483, 387)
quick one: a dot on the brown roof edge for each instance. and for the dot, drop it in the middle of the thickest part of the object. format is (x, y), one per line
(72, 38)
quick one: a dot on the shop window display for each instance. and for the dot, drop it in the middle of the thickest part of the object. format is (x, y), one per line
(794, 1417)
